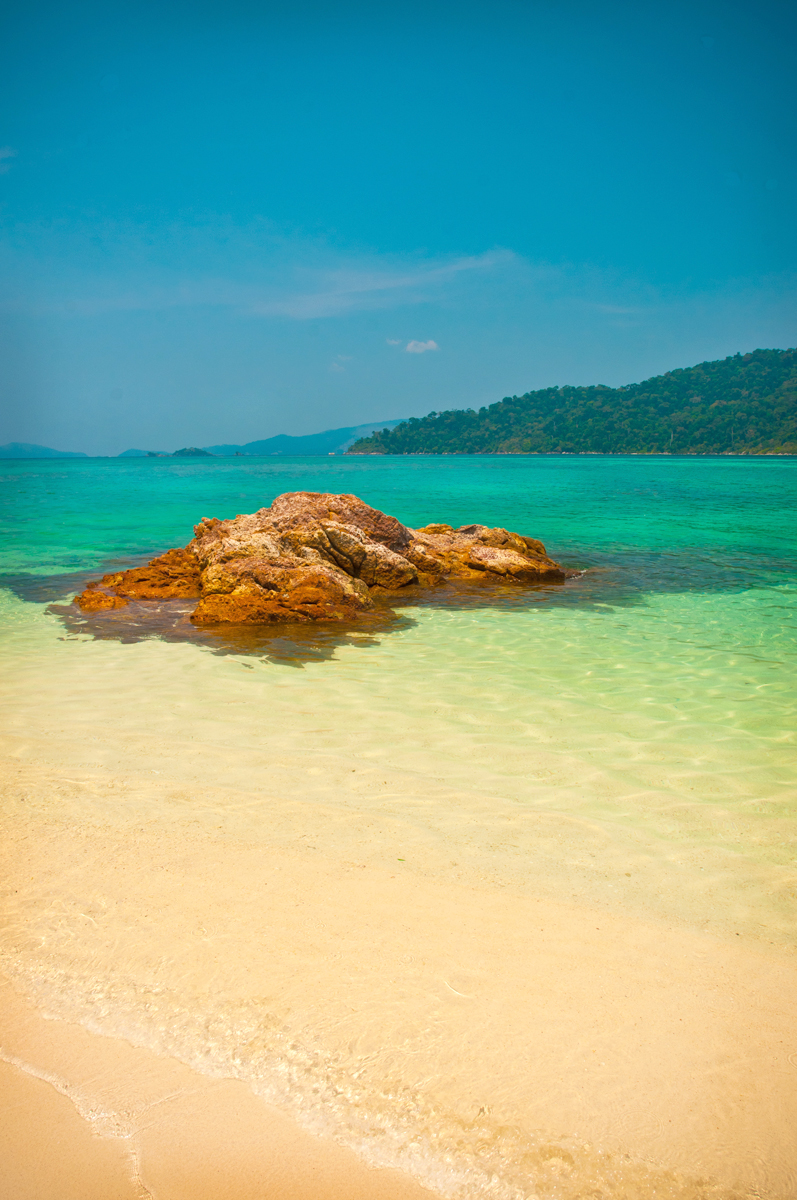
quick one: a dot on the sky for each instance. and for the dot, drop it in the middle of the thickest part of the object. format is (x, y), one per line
(221, 221)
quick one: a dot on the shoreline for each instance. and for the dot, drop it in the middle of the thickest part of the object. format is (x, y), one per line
(421, 454)
(560, 454)
(665, 1046)
(87, 1117)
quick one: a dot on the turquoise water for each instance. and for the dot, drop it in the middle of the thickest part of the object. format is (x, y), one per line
(664, 522)
(684, 620)
(626, 741)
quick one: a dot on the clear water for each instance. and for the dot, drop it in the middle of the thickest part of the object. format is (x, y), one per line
(625, 742)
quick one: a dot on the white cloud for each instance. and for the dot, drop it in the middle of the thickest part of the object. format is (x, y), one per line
(421, 347)
(335, 366)
(393, 341)
(6, 152)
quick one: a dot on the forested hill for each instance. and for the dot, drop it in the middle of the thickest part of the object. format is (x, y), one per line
(744, 404)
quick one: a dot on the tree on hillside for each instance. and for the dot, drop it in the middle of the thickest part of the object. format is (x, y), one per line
(743, 404)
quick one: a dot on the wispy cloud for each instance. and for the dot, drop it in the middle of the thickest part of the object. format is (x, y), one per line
(281, 281)
(255, 276)
(6, 152)
(343, 290)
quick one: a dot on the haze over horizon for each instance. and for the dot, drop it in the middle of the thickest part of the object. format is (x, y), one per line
(227, 222)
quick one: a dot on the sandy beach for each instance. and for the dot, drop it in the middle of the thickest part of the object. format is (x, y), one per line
(584, 1047)
(494, 903)
(92, 1118)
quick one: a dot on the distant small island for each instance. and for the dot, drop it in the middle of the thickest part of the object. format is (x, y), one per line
(745, 404)
(186, 452)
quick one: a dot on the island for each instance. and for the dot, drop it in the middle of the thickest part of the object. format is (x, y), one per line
(318, 556)
(744, 404)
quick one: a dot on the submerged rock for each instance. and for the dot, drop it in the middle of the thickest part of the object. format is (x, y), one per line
(316, 556)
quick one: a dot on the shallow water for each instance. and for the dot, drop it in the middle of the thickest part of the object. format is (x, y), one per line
(623, 743)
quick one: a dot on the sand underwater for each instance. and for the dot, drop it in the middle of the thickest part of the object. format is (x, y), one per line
(495, 898)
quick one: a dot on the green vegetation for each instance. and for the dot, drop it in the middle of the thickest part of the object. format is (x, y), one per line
(746, 404)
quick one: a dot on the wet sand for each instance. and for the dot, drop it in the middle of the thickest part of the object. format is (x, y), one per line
(93, 1118)
(580, 1047)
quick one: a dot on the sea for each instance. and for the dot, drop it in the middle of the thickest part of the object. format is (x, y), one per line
(356, 866)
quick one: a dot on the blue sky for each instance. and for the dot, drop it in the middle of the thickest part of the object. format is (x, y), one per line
(223, 221)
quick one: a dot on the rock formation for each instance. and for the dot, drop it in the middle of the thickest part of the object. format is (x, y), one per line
(174, 575)
(317, 556)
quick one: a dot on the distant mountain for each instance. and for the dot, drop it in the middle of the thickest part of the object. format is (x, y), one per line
(745, 404)
(28, 450)
(331, 441)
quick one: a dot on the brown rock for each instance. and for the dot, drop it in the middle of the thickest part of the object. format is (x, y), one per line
(95, 600)
(304, 509)
(316, 556)
(376, 564)
(172, 576)
(253, 591)
(461, 553)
